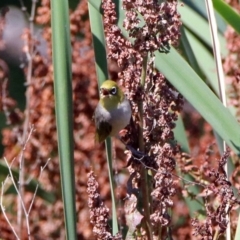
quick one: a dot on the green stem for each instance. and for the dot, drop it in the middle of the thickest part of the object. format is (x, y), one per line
(144, 176)
(94, 8)
(64, 112)
(108, 145)
(140, 104)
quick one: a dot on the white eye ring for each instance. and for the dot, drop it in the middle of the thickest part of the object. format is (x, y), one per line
(113, 91)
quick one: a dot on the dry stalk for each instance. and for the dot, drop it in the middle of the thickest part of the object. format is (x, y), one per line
(4, 210)
(25, 210)
(29, 48)
(221, 82)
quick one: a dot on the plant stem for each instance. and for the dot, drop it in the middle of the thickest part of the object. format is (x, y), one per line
(26, 121)
(221, 85)
(62, 66)
(144, 176)
(140, 104)
(102, 74)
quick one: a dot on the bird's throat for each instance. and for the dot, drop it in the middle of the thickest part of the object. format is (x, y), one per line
(110, 103)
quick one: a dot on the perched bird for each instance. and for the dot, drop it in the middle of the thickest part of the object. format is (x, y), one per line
(113, 112)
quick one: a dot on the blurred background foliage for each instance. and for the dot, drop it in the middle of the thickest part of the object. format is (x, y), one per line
(44, 144)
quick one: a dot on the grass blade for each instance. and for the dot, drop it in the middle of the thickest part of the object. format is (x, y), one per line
(228, 13)
(191, 86)
(64, 114)
(102, 74)
(199, 27)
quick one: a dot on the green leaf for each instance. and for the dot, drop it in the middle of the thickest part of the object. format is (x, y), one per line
(188, 52)
(228, 13)
(204, 59)
(200, 27)
(64, 113)
(191, 86)
(102, 74)
(180, 135)
(199, 7)
(99, 44)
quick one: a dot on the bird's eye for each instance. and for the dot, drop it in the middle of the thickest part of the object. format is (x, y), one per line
(113, 91)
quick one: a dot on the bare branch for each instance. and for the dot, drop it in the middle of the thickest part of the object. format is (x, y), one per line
(4, 211)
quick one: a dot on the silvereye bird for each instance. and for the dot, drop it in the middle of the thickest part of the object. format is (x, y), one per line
(113, 111)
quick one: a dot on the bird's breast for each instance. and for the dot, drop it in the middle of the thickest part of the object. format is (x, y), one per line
(120, 117)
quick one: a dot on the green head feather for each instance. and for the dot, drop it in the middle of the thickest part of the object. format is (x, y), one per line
(110, 95)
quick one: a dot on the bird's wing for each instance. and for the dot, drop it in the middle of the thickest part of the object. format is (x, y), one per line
(102, 132)
(103, 128)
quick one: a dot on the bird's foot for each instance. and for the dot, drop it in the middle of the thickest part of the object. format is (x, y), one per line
(138, 155)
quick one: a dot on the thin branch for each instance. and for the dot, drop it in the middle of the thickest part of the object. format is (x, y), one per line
(216, 51)
(21, 162)
(26, 212)
(144, 176)
(20, 197)
(4, 211)
(29, 54)
(23, 8)
(155, 170)
(35, 192)
(221, 81)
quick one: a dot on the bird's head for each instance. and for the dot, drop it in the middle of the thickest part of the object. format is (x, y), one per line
(110, 95)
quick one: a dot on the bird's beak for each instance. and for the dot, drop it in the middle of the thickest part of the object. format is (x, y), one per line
(104, 92)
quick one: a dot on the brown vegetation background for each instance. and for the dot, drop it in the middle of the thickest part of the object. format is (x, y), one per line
(47, 219)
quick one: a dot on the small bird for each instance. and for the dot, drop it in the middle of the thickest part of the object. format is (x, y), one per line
(113, 112)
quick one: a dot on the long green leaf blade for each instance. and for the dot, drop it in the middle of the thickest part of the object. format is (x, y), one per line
(64, 114)
(205, 60)
(98, 40)
(199, 26)
(191, 86)
(228, 13)
(102, 74)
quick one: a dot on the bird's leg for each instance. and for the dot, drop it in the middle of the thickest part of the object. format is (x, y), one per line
(140, 156)
(137, 154)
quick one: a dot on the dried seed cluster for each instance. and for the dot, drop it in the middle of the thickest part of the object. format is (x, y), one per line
(219, 200)
(98, 212)
(152, 26)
